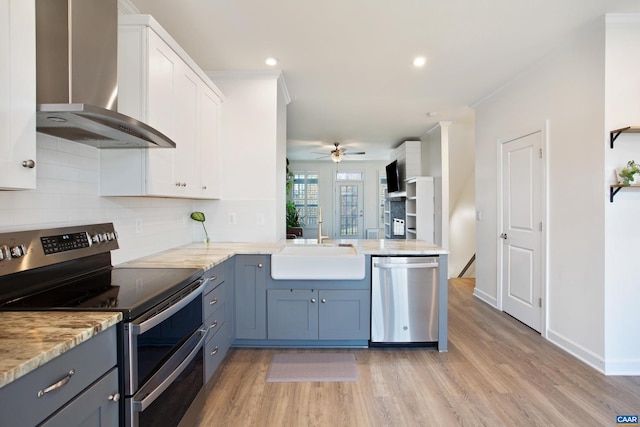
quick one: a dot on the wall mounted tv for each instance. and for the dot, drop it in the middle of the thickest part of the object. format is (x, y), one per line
(393, 177)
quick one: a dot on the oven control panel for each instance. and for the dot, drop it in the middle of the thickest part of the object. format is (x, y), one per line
(23, 250)
(64, 242)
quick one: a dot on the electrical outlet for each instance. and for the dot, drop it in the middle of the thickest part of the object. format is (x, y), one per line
(138, 225)
(232, 218)
(260, 219)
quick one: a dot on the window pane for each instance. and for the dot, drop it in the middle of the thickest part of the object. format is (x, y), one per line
(349, 210)
(349, 176)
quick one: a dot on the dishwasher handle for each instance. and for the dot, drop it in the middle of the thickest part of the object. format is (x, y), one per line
(406, 266)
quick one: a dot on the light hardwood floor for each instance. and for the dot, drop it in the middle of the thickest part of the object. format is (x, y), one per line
(497, 372)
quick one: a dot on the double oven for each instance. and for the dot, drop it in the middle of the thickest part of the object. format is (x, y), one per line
(161, 339)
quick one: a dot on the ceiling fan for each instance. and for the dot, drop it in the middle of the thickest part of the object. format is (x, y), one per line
(338, 153)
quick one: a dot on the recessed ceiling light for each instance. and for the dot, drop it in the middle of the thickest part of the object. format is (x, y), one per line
(271, 61)
(419, 61)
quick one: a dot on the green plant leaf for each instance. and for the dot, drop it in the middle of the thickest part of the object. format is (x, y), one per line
(197, 216)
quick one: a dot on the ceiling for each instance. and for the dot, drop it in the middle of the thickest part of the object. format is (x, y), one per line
(348, 67)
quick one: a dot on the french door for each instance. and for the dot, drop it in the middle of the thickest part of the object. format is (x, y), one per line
(349, 218)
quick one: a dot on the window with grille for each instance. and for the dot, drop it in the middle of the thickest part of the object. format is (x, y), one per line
(305, 195)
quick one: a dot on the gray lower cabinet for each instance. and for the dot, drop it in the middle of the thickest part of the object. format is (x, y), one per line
(77, 388)
(251, 272)
(300, 314)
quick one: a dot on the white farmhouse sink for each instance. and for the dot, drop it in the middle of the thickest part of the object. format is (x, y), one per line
(317, 262)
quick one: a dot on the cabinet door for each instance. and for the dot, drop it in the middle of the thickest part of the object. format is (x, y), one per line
(163, 65)
(292, 314)
(251, 296)
(97, 406)
(208, 137)
(186, 110)
(344, 315)
(17, 94)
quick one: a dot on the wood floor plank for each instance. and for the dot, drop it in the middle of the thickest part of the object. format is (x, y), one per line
(498, 372)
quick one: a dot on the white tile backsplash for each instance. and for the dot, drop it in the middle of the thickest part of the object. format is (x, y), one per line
(68, 185)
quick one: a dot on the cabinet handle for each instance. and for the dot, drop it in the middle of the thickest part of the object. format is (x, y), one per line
(61, 383)
(114, 397)
(214, 324)
(323, 300)
(260, 265)
(214, 352)
(313, 300)
(213, 301)
(30, 164)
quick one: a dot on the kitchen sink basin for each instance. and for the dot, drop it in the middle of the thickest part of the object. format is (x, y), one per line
(318, 262)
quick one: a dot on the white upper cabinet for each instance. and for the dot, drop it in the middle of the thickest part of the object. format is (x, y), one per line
(161, 86)
(17, 95)
(210, 150)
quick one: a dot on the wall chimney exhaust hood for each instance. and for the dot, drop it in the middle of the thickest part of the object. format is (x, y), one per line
(77, 77)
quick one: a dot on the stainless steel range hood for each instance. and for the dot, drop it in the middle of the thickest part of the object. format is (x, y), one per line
(77, 77)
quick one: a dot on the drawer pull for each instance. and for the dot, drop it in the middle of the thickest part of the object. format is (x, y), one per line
(214, 324)
(213, 301)
(61, 383)
(215, 351)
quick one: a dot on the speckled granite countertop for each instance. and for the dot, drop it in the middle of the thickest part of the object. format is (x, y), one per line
(208, 255)
(31, 339)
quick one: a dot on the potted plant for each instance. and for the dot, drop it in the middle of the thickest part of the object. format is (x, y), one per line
(294, 220)
(630, 174)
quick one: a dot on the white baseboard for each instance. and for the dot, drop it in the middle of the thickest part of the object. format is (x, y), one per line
(587, 356)
(625, 367)
(492, 301)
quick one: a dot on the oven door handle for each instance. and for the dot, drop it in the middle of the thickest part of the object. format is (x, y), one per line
(150, 397)
(143, 327)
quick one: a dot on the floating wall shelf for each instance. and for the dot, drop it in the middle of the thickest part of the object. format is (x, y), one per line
(616, 133)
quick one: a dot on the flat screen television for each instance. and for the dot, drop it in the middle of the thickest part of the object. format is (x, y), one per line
(393, 177)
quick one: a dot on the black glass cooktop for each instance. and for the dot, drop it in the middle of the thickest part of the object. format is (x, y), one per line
(131, 291)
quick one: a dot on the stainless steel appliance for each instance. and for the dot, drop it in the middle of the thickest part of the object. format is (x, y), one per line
(162, 336)
(77, 77)
(404, 300)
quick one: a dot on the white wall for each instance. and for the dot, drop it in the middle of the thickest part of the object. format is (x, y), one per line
(461, 215)
(253, 169)
(622, 228)
(68, 182)
(567, 89)
(326, 170)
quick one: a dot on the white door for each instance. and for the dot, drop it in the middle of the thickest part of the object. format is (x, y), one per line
(349, 215)
(521, 232)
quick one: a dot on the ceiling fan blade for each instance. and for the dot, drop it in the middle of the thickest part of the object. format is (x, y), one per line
(357, 152)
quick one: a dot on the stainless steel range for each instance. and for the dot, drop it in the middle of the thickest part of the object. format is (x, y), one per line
(162, 336)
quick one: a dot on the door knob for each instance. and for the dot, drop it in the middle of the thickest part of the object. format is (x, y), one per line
(503, 236)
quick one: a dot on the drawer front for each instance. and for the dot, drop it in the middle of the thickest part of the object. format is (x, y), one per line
(19, 401)
(216, 276)
(213, 300)
(216, 320)
(96, 406)
(215, 350)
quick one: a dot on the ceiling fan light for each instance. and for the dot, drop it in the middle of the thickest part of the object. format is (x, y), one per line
(336, 156)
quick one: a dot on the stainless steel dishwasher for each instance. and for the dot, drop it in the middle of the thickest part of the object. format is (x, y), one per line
(404, 300)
